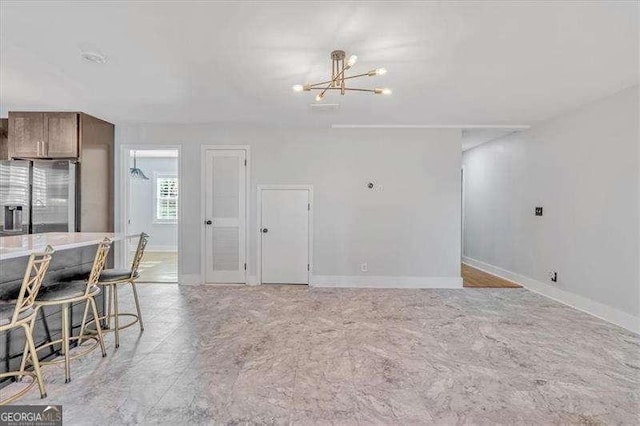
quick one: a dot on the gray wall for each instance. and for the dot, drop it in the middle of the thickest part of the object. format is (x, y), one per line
(583, 169)
(164, 236)
(410, 228)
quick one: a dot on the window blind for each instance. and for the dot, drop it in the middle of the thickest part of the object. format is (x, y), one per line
(167, 198)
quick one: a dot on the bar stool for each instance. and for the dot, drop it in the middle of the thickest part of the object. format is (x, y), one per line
(22, 314)
(64, 294)
(111, 279)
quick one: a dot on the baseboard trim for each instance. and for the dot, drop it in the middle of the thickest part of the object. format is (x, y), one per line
(581, 303)
(196, 279)
(366, 281)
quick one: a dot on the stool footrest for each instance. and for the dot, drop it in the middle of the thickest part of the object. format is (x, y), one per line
(21, 392)
(75, 356)
(108, 328)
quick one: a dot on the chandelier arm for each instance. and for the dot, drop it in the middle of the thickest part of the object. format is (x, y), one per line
(346, 88)
(323, 88)
(331, 81)
(338, 76)
(322, 83)
(360, 90)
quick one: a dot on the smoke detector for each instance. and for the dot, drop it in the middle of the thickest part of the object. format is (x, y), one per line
(95, 57)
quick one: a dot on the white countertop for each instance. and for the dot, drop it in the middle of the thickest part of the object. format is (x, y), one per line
(23, 245)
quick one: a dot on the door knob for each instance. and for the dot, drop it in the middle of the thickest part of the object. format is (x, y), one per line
(265, 230)
(208, 222)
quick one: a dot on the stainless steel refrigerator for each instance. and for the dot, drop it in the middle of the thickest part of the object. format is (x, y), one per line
(37, 196)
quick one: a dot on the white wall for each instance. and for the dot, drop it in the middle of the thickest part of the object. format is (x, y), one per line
(582, 168)
(410, 229)
(163, 236)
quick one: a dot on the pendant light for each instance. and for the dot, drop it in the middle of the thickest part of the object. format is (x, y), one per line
(135, 172)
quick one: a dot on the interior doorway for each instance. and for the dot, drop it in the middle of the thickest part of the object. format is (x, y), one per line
(285, 237)
(224, 215)
(152, 206)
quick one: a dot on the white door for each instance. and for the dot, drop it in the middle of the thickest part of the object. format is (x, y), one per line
(225, 188)
(285, 236)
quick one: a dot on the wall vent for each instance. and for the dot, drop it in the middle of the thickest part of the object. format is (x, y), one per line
(323, 107)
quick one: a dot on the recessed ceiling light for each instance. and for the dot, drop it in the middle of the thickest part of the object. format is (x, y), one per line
(95, 57)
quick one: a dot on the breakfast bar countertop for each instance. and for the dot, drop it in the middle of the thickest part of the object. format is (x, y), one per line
(23, 245)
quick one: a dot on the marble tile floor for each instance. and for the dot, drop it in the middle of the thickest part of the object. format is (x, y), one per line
(299, 355)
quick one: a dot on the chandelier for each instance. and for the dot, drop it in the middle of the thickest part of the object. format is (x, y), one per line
(338, 78)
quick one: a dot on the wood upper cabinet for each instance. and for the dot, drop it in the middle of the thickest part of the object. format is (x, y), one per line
(43, 134)
(26, 134)
(4, 139)
(61, 134)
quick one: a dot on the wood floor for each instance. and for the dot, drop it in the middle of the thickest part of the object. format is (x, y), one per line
(473, 277)
(158, 267)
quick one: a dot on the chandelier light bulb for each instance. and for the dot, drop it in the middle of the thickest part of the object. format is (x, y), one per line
(298, 88)
(379, 91)
(352, 60)
(381, 71)
(319, 97)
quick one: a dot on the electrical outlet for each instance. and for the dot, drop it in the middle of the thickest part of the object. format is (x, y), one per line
(364, 267)
(538, 211)
(553, 276)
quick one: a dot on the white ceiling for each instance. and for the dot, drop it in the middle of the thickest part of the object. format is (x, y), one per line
(235, 62)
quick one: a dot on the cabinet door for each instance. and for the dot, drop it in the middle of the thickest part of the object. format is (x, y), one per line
(4, 140)
(25, 134)
(61, 134)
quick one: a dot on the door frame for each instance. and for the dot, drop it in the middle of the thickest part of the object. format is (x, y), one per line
(259, 190)
(203, 169)
(462, 212)
(121, 258)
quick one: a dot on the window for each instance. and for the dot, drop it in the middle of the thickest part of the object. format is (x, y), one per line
(166, 206)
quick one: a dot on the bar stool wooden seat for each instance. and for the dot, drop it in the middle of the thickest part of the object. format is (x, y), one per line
(22, 313)
(64, 294)
(111, 279)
